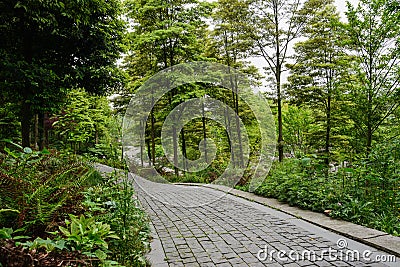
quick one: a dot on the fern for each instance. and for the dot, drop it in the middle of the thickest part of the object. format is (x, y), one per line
(40, 186)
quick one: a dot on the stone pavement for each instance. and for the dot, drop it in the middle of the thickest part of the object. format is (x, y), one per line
(200, 226)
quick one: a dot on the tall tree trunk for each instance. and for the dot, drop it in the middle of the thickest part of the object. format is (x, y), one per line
(369, 138)
(41, 130)
(96, 135)
(229, 130)
(184, 149)
(36, 132)
(328, 131)
(26, 113)
(175, 142)
(238, 130)
(25, 123)
(278, 73)
(45, 130)
(153, 120)
(370, 95)
(149, 152)
(153, 143)
(204, 132)
(141, 144)
(279, 99)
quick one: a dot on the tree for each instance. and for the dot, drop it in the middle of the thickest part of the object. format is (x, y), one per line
(49, 47)
(165, 33)
(232, 47)
(274, 24)
(298, 128)
(374, 30)
(83, 119)
(321, 67)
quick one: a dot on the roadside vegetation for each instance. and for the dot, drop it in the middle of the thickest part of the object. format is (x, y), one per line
(366, 192)
(57, 210)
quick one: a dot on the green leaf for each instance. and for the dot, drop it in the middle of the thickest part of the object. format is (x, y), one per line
(11, 153)
(348, 170)
(113, 236)
(21, 237)
(100, 254)
(5, 233)
(64, 231)
(45, 152)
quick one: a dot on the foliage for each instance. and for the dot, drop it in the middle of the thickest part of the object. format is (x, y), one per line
(38, 184)
(83, 120)
(113, 202)
(272, 26)
(9, 125)
(51, 46)
(320, 72)
(40, 189)
(366, 193)
(373, 31)
(48, 244)
(298, 129)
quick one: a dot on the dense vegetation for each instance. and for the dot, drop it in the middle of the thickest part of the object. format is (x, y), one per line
(57, 210)
(336, 99)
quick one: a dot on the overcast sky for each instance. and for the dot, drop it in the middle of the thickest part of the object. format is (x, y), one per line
(260, 63)
(341, 5)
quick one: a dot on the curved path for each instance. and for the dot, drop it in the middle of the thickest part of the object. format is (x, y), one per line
(198, 226)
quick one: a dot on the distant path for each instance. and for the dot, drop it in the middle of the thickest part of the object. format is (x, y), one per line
(231, 231)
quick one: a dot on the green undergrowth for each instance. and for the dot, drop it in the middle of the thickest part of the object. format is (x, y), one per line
(56, 210)
(367, 192)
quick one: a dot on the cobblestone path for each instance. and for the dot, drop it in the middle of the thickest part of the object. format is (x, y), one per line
(200, 226)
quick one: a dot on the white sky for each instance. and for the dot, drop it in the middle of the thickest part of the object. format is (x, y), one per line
(341, 6)
(260, 63)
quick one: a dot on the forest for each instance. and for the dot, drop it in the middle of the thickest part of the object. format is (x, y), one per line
(70, 68)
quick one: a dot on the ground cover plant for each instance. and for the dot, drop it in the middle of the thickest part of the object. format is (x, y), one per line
(58, 210)
(366, 192)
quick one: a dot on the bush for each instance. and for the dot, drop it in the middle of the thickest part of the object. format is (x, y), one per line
(366, 193)
(96, 220)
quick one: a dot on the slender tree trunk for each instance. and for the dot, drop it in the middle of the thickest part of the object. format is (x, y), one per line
(26, 113)
(184, 149)
(45, 130)
(25, 123)
(36, 131)
(204, 132)
(96, 135)
(153, 143)
(229, 130)
(279, 99)
(149, 152)
(41, 130)
(141, 144)
(369, 138)
(175, 142)
(152, 135)
(328, 130)
(278, 73)
(238, 130)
